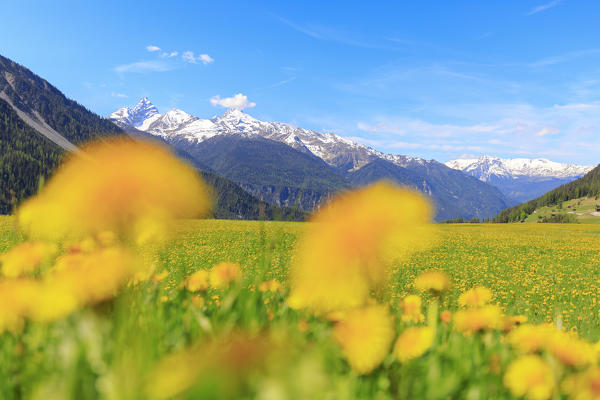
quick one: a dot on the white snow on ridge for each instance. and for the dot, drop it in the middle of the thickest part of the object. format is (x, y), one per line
(484, 167)
(177, 125)
(331, 148)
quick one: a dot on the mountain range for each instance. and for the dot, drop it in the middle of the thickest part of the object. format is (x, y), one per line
(259, 169)
(520, 179)
(39, 126)
(288, 165)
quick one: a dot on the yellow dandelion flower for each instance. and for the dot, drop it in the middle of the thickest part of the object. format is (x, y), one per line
(436, 282)
(478, 319)
(224, 274)
(364, 336)
(512, 321)
(413, 343)
(26, 258)
(571, 350)
(476, 297)
(17, 297)
(411, 309)
(115, 185)
(531, 338)
(351, 243)
(96, 276)
(584, 385)
(272, 285)
(530, 376)
(53, 302)
(198, 281)
(160, 276)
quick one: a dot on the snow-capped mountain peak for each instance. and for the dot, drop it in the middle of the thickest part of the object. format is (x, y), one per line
(176, 125)
(485, 167)
(135, 116)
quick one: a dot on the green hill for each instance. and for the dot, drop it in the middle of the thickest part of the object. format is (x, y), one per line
(587, 187)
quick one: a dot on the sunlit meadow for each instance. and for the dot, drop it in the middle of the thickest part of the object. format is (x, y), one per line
(121, 293)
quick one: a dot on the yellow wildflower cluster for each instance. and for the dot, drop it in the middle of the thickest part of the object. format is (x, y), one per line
(434, 282)
(413, 342)
(346, 257)
(365, 336)
(352, 243)
(224, 274)
(114, 194)
(25, 258)
(530, 376)
(411, 309)
(475, 297)
(218, 277)
(131, 188)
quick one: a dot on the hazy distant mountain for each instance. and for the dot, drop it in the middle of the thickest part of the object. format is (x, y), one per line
(520, 179)
(329, 160)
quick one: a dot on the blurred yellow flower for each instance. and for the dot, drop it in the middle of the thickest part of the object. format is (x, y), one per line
(224, 361)
(25, 258)
(478, 319)
(413, 343)
(531, 338)
(512, 321)
(96, 276)
(583, 385)
(435, 282)
(224, 274)
(571, 350)
(119, 185)
(530, 376)
(476, 297)
(411, 309)
(198, 281)
(272, 285)
(17, 296)
(160, 276)
(365, 335)
(351, 243)
(53, 302)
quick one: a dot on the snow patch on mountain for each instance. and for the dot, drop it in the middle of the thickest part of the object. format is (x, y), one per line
(136, 116)
(486, 167)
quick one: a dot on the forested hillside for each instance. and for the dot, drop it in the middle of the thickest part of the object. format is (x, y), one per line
(588, 185)
(25, 158)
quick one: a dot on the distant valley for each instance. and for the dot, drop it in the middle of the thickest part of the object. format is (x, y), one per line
(520, 179)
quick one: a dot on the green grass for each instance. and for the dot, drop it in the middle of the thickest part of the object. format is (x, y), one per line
(582, 209)
(544, 271)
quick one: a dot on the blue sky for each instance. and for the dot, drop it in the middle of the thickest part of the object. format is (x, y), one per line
(434, 79)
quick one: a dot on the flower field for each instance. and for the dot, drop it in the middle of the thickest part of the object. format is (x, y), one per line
(368, 300)
(544, 272)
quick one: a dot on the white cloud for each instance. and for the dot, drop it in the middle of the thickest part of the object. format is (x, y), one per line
(152, 48)
(188, 56)
(143, 66)
(239, 102)
(544, 7)
(561, 132)
(169, 55)
(119, 95)
(547, 130)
